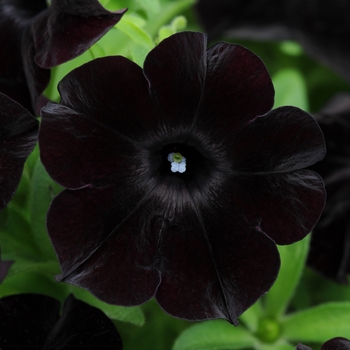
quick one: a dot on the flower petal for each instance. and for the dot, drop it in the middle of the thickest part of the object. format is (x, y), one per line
(286, 206)
(112, 91)
(329, 247)
(109, 253)
(26, 320)
(69, 28)
(18, 136)
(78, 151)
(337, 343)
(176, 71)
(83, 326)
(285, 139)
(238, 88)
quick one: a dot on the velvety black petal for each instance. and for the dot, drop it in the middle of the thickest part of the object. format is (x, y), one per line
(111, 253)
(176, 71)
(82, 326)
(32, 321)
(34, 36)
(284, 140)
(286, 206)
(336, 344)
(329, 248)
(334, 120)
(18, 136)
(93, 154)
(26, 320)
(69, 28)
(216, 268)
(322, 27)
(113, 92)
(15, 18)
(238, 89)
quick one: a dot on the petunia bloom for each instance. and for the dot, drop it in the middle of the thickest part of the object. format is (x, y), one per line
(337, 343)
(330, 245)
(321, 27)
(18, 137)
(33, 321)
(35, 37)
(202, 240)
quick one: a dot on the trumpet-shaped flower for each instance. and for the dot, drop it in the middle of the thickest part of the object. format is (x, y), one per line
(201, 241)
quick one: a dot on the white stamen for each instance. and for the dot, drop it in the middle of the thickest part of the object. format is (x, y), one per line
(176, 165)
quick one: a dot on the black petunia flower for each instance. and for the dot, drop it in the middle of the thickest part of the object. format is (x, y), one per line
(180, 180)
(321, 27)
(330, 245)
(35, 37)
(33, 321)
(18, 136)
(337, 343)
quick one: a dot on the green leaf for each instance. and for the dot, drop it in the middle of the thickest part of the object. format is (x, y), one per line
(43, 190)
(138, 53)
(150, 6)
(16, 239)
(215, 335)
(318, 324)
(293, 259)
(131, 26)
(48, 268)
(280, 345)
(290, 89)
(252, 316)
(132, 314)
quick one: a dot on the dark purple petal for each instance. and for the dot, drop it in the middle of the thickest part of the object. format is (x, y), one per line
(82, 326)
(111, 252)
(330, 244)
(26, 320)
(34, 36)
(286, 206)
(284, 140)
(32, 321)
(18, 136)
(202, 278)
(336, 344)
(176, 71)
(108, 88)
(238, 89)
(69, 28)
(94, 155)
(321, 27)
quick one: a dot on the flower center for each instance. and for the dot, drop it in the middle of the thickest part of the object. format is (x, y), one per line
(268, 330)
(177, 162)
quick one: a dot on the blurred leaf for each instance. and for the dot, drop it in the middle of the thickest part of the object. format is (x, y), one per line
(293, 259)
(215, 335)
(16, 239)
(290, 88)
(252, 316)
(43, 190)
(318, 324)
(131, 26)
(281, 345)
(132, 314)
(150, 6)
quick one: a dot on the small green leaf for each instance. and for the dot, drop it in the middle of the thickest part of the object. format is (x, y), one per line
(280, 345)
(132, 314)
(150, 6)
(290, 89)
(43, 190)
(293, 258)
(215, 335)
(251, 317)
(129, 26)
(318, 324)
(16, 239)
